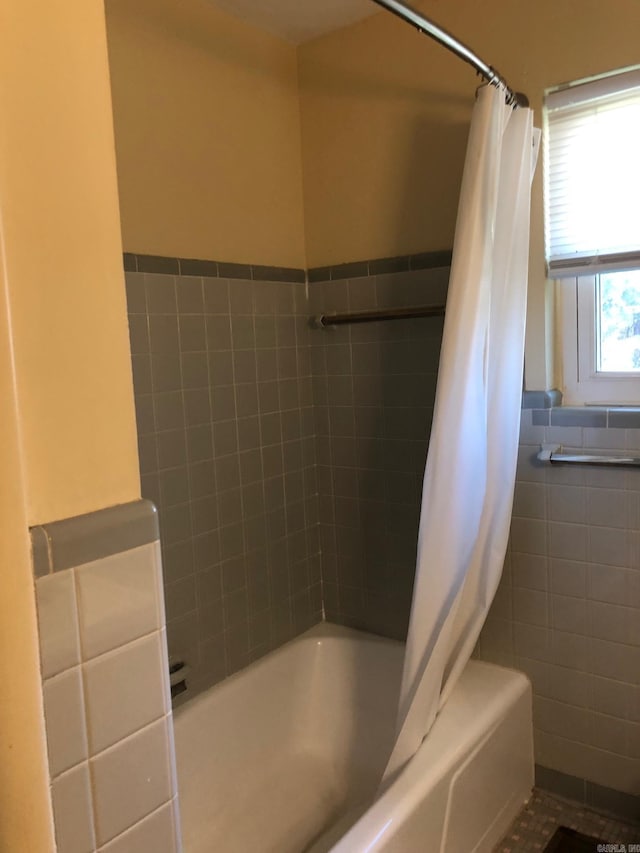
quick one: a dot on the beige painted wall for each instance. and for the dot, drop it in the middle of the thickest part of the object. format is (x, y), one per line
(207, 134)
(62, 256)
(207, 113)
(25, 809)
(385, 113)
(67, 431)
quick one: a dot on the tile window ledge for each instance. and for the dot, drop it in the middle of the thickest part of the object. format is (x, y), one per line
(547, 410)
(576, 416)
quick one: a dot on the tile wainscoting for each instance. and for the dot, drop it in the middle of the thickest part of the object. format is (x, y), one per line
(567, 611)
(105, 682)
(351, 424)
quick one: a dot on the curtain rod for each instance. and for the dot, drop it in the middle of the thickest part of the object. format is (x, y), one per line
(411, 16)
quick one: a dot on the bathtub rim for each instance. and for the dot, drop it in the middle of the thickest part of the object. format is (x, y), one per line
(322, 631)
(413, 784)
(418, 778)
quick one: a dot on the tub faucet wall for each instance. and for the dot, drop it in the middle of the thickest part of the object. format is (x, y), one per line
(374, 389)
(222, 378)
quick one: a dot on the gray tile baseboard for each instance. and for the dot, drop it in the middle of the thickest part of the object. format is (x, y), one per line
(74, 541)
(588, 793)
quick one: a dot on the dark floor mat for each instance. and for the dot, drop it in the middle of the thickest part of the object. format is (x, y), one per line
(565, 840)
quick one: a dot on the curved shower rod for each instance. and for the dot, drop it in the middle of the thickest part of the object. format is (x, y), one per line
(427, 27)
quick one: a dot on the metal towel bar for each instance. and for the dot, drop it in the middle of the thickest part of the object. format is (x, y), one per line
(416, 312)
(552, 453)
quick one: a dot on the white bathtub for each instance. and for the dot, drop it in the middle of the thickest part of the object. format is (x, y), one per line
(285, 756)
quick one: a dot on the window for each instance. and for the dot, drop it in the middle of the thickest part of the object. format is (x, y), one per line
(592, 221)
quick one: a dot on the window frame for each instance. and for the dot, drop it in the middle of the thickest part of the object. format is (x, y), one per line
(576, 275)
(583, 384)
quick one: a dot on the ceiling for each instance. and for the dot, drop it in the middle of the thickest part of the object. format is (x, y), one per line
(297, 21)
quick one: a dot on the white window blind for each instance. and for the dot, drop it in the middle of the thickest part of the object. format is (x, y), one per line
(592, 176)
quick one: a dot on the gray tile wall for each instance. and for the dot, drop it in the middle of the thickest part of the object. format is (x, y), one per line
(222, 380)
(374, 387)
(568, 608)
(266, 444)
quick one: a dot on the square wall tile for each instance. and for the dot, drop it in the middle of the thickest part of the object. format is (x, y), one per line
(567, 503)
(529, 570)
(71, 797)
(564, 720)
(531, 606)
(125, 690)
(569, 614)
(65, 720)
(608, 733)
(610, 697)
(566, 685)
(532, 641)
(160, 291)
(156, 833)
(529, 536)
(131, 779)
(610, 622)
(57, 622)
(608, 507)
(569, 650)
(609, 545)
(568, 577)
(119, 599)
(529, 500)
(614, 660)
(568, 541)
(608, 584)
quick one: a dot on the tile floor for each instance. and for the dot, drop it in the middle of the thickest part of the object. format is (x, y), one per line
(538, 820)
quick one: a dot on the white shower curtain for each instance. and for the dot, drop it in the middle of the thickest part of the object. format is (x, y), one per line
(469, 479)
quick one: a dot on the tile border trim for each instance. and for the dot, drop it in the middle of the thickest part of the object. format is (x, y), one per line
(547, 410)
(259, 272)
(541, 399)
(588, 793)
(381, 266)
(211, 269)
(603, 417)
(71, 542)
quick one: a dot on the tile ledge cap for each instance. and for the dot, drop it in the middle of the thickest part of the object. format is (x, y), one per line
(94, 535)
